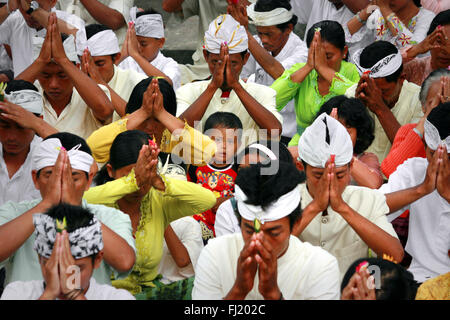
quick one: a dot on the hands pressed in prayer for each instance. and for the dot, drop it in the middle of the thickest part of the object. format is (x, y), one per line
(239, 12)
(360, 287)
(88, 66)
(218, 76)
(370, 94)
(58, 271)
(52, 48)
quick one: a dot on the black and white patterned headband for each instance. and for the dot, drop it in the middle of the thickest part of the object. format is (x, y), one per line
(84, 241)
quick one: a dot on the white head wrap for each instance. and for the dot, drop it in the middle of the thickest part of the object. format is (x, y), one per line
(47, 152)
(84, 241)
(225, 29)
(103, 43)
(30, 100)
(433, 138)
(314, 149)
(148, 25)
(270, 18)
(383, 68)
(277, 210)
(264, 150)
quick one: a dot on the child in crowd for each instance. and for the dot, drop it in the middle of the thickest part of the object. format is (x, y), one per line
(141, 49)
(225, 129)
(69, 244)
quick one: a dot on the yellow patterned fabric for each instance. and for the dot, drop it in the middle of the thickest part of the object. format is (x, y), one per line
(435, 289)
(189, 144)
(158, 209)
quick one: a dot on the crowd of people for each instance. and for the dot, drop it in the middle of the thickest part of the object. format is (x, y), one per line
(303, 155)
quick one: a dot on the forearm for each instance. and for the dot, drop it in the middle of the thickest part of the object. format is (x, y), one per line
(176, 248)
(171, 122)
(399, 199)
(388, 122)
(354, 25)
(41, 16)
(116, 251)
(263, 117)
(31, 73)
(196, 110)
(172, 5)
(118, 103)
(386, 12)
(308, 214)
(300, 75)
(3, 13)
(271, 65)
(376, 238)
(43, 129)
(327, 73)
(149, 69)
(89, 91)
(235, 294)
(366, 176)
(104, 14)
(15, 232)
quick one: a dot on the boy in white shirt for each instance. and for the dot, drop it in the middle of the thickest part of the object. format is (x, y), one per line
(69, 245)
(141, 49)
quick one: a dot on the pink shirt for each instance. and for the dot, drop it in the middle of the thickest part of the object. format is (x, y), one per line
(436, 5)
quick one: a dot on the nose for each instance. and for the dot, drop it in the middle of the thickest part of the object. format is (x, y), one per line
(53, 83)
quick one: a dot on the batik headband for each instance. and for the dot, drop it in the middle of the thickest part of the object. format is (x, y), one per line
(383, 68)
(84, 241)
(433, 138)
(278, 209)
(269, 18)
(28, 99)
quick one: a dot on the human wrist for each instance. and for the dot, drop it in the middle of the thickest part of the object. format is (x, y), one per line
(274, 294)
(236, 293)
(48, 295)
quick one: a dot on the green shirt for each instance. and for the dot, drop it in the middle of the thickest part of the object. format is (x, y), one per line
(308, 100)
(23, 265)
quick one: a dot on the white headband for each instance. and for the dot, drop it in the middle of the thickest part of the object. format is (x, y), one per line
(270, 18)
(264, 150)
(47, 152)
(148, 25)
(383, 68)
(84, 241)
(277, 210)
(30, 100)
(103, 43)
(225, 29)
(314, 149)
(433, 138)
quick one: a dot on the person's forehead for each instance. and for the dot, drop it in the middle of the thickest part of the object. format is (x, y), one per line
(268, 29)
(102, 58)
(51, 68)
(383, 84)
(269, 225)
(434, 89)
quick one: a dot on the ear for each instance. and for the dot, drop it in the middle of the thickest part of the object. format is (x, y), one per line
(110, 170)
(345, 52)
(117, 57)
(162, 41)
(35, 178)
(98, 259)
(205, 54)
(247, 55)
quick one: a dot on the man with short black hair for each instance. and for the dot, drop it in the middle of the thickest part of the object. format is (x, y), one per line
(391, 99)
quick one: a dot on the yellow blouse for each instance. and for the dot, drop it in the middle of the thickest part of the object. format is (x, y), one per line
(189, 144)
(158, 209)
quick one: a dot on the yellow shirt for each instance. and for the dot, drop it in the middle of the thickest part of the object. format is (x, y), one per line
(189, 144)
(437, 288)
(158, 209)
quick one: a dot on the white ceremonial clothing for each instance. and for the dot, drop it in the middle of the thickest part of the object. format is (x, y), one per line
(26, 42)
(189, 93)
(305, 272)
(32, 290)
(335, 235)
(429, 222)
(20, 187)
(189, 231)
(226, 221)
(166, 65)
(294, 51)
(76, 118)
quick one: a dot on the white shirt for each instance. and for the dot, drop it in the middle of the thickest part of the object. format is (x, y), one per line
(304, 272)
(20, 187)
(77, 8)
(32, 290)
(294, 51)
(226, 221)
(189, 231)
(76, 118)
(189, 93)
(26, 42)
(335, 235)
(408, 109)
(166, 65)
(429, 222)
(5, 60)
